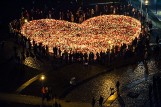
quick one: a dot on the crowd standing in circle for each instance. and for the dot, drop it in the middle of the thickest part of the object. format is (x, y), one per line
(138, 47)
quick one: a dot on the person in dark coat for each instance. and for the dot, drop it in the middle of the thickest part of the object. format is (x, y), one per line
(117, 86)
(101, 101)
(93, 102)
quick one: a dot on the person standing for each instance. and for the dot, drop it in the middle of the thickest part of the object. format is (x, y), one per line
(101, 101)
(43, 93)
(117, 86)
(47, 93)
(93, 102)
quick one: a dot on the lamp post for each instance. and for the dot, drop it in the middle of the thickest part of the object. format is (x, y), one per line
(146, 5)
(42, 78)
(25, 20)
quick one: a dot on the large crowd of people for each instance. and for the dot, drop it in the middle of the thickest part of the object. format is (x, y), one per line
(137, 45)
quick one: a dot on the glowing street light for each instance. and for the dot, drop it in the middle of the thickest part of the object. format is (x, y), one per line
(42, 78)
(146, 4)
(25, 20)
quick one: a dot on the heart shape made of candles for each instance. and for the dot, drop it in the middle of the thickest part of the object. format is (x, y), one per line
(93, 35)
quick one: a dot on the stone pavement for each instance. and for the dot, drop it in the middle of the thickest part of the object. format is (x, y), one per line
(112, 101)
(33, 100)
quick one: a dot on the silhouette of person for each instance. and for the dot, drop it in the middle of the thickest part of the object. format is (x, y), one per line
(101, 101)
(93, 101)
(43, 93)
(117, 86)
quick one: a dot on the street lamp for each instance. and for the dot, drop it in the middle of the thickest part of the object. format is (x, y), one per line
(146, 5)
(25, 20)
(42, 78)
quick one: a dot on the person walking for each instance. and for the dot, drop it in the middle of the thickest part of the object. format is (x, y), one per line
(101, 101)
(117, 86)
(47, 93)
(93, 102)
(43, 93)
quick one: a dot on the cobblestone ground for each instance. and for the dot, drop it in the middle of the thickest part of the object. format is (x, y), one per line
(132, 79)
(33, 63)
(60, 80)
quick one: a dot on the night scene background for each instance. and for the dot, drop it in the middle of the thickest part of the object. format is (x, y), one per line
(122, 76)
